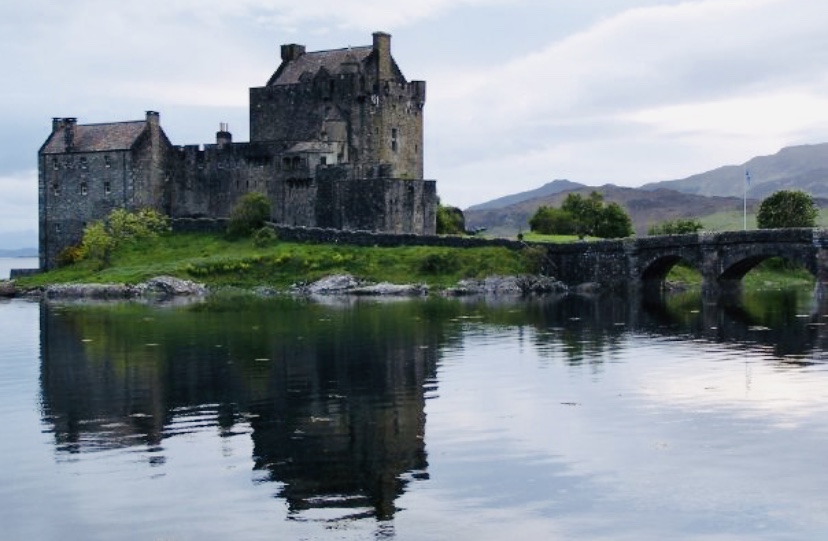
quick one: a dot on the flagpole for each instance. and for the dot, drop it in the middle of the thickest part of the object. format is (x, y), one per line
(744, 199)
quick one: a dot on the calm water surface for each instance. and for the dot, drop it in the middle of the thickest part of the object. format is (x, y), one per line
(558, 419)
(8, 263)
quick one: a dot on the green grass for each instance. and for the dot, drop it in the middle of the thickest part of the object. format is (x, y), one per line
(531, 236)
(216, 261)
(773, 273)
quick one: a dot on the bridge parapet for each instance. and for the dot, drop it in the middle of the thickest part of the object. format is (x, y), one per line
(722, 258)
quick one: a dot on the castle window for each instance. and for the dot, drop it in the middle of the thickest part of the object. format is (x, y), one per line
(323, 160)
(286, 164)
(84, 189)
(57, 229)
(107, 188)
(55, 164)
(394, 144)
(83, 163)
(107, 162)
(56, 188)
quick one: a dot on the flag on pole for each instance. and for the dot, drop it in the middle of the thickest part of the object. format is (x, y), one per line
(747, 177)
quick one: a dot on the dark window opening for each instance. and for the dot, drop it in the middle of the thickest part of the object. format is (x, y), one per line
(84, 189)
(55, 164)
(107, 188)
(394, 144)
(106, 162)
(56, 188)
(323, 160)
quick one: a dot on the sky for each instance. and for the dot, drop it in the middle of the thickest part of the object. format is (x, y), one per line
(520, 92)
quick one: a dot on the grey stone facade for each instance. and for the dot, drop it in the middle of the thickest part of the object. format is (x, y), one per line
(336, 141)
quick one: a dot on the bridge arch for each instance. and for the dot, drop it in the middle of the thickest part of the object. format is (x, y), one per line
(735, 265)
(656, 271)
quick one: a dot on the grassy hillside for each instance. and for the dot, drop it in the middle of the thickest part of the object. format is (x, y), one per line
(216, 261)
(645, 207)
(803, 167)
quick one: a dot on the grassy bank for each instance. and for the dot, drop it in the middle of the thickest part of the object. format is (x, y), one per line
(774, 273)
(216, 261)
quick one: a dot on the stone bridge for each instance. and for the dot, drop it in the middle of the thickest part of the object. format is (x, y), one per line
(721, 258)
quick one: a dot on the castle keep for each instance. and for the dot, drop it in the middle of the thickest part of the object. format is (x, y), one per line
(336, 141)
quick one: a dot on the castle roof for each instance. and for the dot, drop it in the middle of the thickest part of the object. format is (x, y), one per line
(332, 61)
(95, 137)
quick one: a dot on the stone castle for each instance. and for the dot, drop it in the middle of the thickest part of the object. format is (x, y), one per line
(336, 141)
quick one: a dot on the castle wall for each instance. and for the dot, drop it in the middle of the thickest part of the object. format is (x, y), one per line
(77, 188)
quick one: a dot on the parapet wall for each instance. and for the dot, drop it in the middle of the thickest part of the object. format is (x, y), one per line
(355, 238)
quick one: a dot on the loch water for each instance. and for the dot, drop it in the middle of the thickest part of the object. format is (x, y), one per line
(556, 418)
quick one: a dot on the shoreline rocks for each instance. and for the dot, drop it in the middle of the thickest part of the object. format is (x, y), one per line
(168, 287)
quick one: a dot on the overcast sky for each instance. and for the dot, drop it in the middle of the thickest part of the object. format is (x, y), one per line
(520, 92)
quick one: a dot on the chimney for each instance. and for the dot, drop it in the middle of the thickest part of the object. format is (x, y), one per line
(153, 118)
(382, 50)
(292, 51)
(57, 123)
(223, 136)
(69, 132)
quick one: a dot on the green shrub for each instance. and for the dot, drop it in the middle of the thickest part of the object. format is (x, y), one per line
(534, 258)
(264, 236)
(248, 215)
(70, 255)
(438, 263)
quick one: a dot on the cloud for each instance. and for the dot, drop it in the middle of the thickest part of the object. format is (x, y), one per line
(696, 73)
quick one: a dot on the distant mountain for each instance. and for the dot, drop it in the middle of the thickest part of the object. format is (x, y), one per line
(15, 240)
(550, 188)
(802, 167)
(19, 252)
(645, 207)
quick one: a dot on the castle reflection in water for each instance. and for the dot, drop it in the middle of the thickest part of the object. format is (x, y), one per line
(335, 421)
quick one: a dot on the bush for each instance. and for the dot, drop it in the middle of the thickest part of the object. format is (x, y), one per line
(248, 215)
(264, 236)
(70, 255)
(438, 263)
(450, 221)
(680, 226)
(101, 238)
(534, 259)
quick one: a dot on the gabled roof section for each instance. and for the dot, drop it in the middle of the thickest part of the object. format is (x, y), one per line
(290, 72)
(95, 137)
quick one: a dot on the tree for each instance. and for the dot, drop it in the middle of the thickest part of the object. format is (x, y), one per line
(249, 214)
(552, 221)
(586, 211)
(450, 221)
(787, 208)
(613, 223)
(102, 237)
(679, 226)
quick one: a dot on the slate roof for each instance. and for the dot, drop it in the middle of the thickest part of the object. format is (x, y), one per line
(291, 72)
(313, 147)
(96, 137)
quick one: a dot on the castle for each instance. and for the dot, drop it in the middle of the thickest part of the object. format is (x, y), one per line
(336, 141)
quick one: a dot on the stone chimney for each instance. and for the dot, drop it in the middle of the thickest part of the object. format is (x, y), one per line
(382, 50)
(223, 136)
(153, 118)
(69, 133)
(292, 51)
